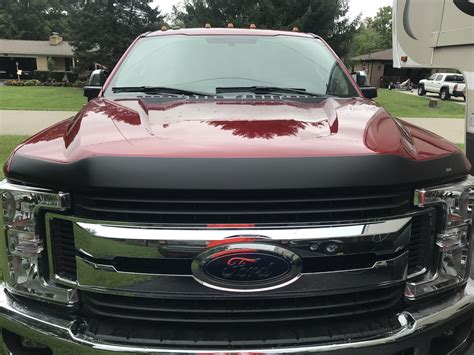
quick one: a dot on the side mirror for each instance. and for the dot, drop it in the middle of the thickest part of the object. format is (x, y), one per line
(369, 92)
(96, 81)
(363, 83)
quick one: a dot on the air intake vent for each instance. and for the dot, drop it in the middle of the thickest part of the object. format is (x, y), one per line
(422, 232)
(64, 251)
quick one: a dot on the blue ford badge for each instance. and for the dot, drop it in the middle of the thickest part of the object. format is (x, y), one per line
(246, 267)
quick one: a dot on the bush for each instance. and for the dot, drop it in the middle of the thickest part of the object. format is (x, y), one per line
(58, 75)
(32, 82)
(41, 75)
(51, 64)
(79, 84)
(71, 76)
(14, 83)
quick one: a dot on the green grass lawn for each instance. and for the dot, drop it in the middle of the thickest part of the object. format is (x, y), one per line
(7, 144)
(44, 98)
(404, 105)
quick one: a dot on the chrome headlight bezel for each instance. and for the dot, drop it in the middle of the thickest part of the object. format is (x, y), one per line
(24, 246)
(452, 248)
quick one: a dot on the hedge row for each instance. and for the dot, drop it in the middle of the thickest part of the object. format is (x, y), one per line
(56, 75)
(34, 82)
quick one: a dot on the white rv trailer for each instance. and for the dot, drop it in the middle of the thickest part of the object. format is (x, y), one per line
(438, 34)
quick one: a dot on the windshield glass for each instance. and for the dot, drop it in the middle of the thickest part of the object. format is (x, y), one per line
(205, 63)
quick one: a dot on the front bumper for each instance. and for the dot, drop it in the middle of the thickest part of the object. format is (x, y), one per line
(63, 335)
(458, 93)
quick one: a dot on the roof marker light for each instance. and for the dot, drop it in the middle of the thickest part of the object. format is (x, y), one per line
(230, 25)
(208, 25)
(404, 59)
(253, 26)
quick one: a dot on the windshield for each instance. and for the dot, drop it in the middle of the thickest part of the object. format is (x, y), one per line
(205, 64)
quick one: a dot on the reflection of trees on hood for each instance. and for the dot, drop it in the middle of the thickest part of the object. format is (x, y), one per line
(117, 113)
(262, 129)
(55, 132)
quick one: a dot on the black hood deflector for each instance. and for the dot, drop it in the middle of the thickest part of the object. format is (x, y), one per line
(236, 173)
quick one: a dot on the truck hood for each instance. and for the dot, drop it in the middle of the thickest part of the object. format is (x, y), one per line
(232, 129)
(149, 137)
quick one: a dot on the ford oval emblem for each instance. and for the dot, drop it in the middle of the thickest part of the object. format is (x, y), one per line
(246, 267)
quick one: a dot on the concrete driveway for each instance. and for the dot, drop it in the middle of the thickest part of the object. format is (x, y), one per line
(29, 122)
(451, 129)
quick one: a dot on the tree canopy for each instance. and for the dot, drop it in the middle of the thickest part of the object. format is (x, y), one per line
(327, 18)
(33, 19)
(101, 31)
(374, 34)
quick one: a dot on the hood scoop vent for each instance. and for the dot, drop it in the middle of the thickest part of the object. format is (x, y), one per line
(161, 99)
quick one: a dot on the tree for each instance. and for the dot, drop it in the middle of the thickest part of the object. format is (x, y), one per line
(101, 31)
(327, 18)
(374, 34)
(32, 19)
(382, 25)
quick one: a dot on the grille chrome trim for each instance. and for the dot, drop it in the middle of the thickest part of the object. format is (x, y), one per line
(137, 232)
(106, 249)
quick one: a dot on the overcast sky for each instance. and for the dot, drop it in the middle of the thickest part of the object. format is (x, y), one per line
(368, 8)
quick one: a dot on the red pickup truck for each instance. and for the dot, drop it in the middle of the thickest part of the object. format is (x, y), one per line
(233, 191)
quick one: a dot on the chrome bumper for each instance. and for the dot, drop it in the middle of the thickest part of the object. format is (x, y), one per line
(64, 335)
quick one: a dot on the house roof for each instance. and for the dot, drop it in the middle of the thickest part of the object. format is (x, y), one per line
(386, 54)
(20, 47)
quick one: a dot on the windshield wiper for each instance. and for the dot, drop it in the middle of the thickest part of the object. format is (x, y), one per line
(159, 90)
(265, 90)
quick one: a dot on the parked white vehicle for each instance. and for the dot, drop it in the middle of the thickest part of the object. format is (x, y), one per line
(444, 84)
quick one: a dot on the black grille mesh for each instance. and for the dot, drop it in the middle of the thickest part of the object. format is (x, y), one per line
(262, 206)
(62, 240)
(242, 322)
(422, 232)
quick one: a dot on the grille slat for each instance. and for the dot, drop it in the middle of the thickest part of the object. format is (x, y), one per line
(262, 206)
(421, 237)
(240, 311)
(125, 304)
(239, 322)
(62, 240)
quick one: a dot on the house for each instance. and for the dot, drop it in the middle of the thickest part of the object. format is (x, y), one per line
(28, 56)
(380, 70)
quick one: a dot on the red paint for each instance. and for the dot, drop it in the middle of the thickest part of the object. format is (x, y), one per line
(227, 252)
(240, 261)
(229, 129)
(232, 226)
(215, 243)
(232, 129)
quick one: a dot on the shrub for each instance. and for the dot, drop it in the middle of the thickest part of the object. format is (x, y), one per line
(79, 84)
(71, 76)
(51, 64)
(41, 75)
(14, 83)
(58, 75)
(32, 82)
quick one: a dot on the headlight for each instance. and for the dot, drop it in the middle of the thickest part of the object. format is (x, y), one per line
(24, 249)
(452, 248)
